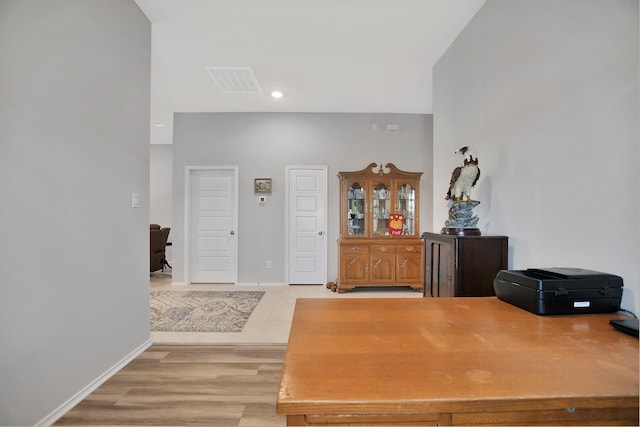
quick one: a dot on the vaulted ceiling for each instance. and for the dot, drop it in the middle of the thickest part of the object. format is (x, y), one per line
(323, 55)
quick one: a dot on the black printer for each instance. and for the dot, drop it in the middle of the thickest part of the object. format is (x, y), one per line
(559, 290)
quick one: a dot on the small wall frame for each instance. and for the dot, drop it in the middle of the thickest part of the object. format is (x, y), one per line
(262, 185)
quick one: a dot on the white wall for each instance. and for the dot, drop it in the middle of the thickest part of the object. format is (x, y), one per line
(161, 176)
(262, 144)
(547, 91)
(74, 145)
(160, 195)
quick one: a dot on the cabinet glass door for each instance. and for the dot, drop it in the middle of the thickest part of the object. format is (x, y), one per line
(356, 206)
(407, 206)
(381, 209)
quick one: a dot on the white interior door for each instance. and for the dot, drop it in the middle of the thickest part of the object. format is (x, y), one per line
(307, 225)
(213, 218)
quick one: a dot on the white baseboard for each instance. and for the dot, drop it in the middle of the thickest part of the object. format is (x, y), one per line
(260, 284)
(91, 387)
(240, 284)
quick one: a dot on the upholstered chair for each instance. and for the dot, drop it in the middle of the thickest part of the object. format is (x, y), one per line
(158, 243)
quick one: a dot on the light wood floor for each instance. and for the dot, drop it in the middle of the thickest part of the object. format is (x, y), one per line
(189, 385)
(221, 378)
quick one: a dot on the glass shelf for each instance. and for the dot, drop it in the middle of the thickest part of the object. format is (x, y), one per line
(381, 210)
(406, 205)
(356, 210)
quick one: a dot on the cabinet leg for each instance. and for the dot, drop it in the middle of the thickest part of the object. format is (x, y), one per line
(342, 288)
(336, 287)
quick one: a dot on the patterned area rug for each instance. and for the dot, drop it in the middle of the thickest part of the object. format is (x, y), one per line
(202, 311)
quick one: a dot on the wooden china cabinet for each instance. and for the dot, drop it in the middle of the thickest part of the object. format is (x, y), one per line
(370, 252)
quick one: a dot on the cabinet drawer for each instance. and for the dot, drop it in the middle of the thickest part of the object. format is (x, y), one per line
(410, 248)
(383, 249)
(354, 249)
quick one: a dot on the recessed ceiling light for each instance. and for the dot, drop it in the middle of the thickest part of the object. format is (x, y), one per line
(276, 94)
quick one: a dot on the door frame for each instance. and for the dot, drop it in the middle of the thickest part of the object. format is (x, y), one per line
(287, 217)
(189, 170)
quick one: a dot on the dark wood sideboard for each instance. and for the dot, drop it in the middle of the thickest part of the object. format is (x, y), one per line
(462, 266)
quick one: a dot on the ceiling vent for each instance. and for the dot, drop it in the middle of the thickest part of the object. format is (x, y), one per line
(235, 79)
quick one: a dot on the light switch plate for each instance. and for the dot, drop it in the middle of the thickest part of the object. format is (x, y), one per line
(135, 200)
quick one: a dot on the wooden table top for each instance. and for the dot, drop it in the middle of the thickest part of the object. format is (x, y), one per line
(356, 355)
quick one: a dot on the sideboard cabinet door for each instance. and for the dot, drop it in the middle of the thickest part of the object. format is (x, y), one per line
(383, 264)
(354, 263)
(409, 263)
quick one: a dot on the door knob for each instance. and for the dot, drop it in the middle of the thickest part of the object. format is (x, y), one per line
(319, 233)
(232, 232)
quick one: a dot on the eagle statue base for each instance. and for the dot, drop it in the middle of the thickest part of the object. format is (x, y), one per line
(462, 221)
(469, 231)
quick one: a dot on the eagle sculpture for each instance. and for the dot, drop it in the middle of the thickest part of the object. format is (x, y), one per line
(464, 177)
